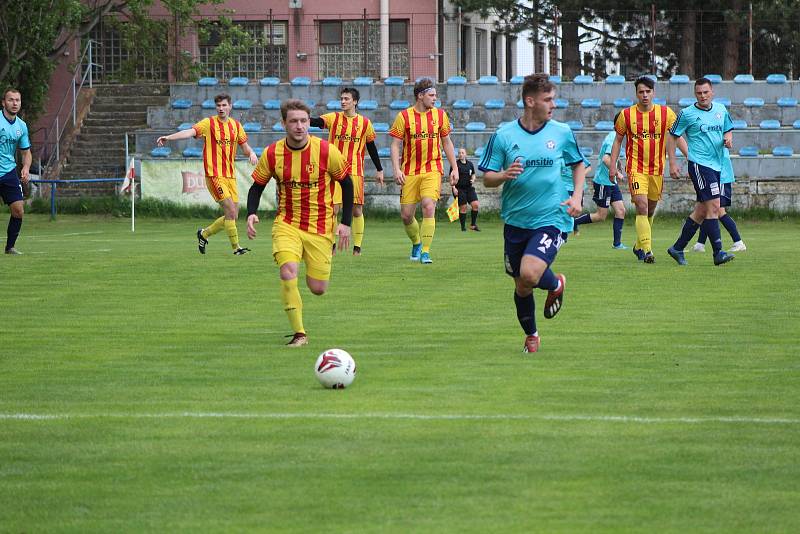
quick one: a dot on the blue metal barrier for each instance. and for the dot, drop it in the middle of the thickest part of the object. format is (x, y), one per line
(54, 188)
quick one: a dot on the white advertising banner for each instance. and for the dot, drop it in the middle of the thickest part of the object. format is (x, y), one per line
(183, 182)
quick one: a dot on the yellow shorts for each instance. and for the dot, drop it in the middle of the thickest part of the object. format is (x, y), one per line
(222, 188)
(419, 186)
(651, 185)
(358, 191)
(292, 244)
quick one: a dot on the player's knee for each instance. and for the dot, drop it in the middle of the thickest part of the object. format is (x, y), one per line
(317, 287)
(17, 210)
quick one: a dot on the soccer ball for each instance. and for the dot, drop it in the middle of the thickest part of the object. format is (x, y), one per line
(335, 369)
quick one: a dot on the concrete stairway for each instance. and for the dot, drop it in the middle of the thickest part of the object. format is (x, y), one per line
(99, 149)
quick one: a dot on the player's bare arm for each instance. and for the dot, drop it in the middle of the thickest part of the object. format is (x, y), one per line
(574, 203)
(672, 141)
(250, 153)
(394, 148)
(25, 172)
(177, 136)
(450, 152)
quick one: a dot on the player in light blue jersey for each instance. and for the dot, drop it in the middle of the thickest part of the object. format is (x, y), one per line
(708, 130)
(525, 158)
(13, 137)
(606, 194)
(566, 178)
(726, 180)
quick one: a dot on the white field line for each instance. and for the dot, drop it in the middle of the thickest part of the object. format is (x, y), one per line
(625, 419)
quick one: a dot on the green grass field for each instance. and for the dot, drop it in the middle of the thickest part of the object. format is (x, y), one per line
(145, 387)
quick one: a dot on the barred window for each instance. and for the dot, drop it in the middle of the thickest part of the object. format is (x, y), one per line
(117, 63)
(269, 55)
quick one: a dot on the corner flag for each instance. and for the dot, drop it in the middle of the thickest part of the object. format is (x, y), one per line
(452, 210)
(127, 184)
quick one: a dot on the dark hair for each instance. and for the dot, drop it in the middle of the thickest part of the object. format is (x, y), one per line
(536, 83)
(422, 85)
(222, 96)
(646, 80)
(293, 104)
(703, 81)
(10, 90)
(352, 92)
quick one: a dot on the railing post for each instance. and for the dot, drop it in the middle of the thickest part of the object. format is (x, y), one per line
(91, 63)
(74, 99)
(58, 139)
(53, 189)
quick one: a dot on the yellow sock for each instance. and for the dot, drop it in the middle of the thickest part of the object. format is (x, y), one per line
(427, 229)
(643, 232)
(233, 233)
(412, 231)
(292, 304)
(358, 230)
(214, 227)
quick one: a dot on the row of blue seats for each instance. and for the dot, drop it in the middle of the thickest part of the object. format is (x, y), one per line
(196, 152)
(465, 104)
(302, 81)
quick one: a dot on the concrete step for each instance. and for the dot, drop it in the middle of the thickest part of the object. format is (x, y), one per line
(115, 153)
(139, 89)
(109, 130)
(128, 103)
(131, 123)
(119, 113)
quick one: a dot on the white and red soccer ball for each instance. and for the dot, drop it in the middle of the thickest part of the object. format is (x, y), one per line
(335, 369)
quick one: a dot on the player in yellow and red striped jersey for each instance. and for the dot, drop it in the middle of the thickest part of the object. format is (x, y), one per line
(305, 169)
(221, 137)
(644, 127)
(351, 133)
(421, 130)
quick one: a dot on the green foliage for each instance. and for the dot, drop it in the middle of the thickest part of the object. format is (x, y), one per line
(231, 41)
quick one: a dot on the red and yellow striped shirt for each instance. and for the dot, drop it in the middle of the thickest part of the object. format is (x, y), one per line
(305, 181)
(646, 138)
(221, 139)
(421, 134)
(350, 135)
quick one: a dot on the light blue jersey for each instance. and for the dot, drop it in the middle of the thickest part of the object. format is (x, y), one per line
(704, 130)
(13, 136)
(533, 200)
(566, 175)
(601, 174)
(726, 176)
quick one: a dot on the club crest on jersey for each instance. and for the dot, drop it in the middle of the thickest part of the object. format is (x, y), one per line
(551, 145)
(718, 116)
(310, 168)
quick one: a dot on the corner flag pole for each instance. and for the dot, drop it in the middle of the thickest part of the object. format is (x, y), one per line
(133, 196)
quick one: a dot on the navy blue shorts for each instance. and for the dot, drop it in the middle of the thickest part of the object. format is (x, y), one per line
(542, 242)
(725, 195)
(604, 195)
(705, 181)
(11, 187)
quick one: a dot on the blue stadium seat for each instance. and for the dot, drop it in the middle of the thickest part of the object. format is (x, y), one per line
(605, 126)
(679, 79)
(314, 129)
(753, 102)
(494, 103)
(516, 80)
(796, 124)
(583, 79)
(743, 78)
(686, 101)
(437, 104)
(394, 80)
(185, 126)
(456, 80)
(362, 81)
(238, 81)
(334, 105)
(776, 78)
(488, 80)
(520, 105)
(207, 82)
(587, 151)
(208, 104)
(192, 152)
(660, 101)
(310, 103)
(575, 125)
(463, 104)
(380, 126)
(161, 152)
(278, 127)
(301, 81)
(562, 103)
(181, 103)
(252, 127)
(479, 151)
(269, 81)
(623, 102)
(713, 78)
(555, 78)
(615, 79)
(242, 104)
(783, 151)
(385, 152)
(475, 126)
(369, 105)
(724, 100)
(739, 124)
(502, 123)
(591, 103)
(332, 81)
(272, 104)
(787, 102)
(399, 104)
(770, 124)
(748, 151)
